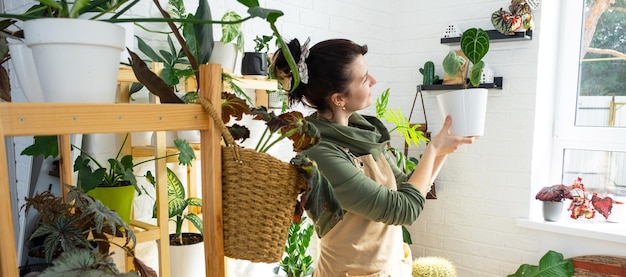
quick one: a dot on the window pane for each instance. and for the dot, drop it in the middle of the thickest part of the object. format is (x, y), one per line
(602, 81)
(602, 171)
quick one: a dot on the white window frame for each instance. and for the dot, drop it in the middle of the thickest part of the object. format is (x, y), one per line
(567, 134)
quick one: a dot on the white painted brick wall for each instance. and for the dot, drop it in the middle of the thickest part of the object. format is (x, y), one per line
(482, 188)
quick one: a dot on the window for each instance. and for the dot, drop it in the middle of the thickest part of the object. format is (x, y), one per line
(590, 134)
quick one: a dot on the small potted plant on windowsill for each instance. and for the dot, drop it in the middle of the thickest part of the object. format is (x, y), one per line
(552, 198)
(470, 119)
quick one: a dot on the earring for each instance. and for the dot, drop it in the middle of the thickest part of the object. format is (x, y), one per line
(343, 108)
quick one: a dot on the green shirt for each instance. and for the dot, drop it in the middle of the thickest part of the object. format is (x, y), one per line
(356, 192)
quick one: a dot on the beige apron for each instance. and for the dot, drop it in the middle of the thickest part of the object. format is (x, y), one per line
(360, 247)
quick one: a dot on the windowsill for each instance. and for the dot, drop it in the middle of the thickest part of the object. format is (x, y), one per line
(601, 230)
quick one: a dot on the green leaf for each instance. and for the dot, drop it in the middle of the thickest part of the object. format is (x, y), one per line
(476, 73)
(186, 154)
(551, 264)
(381, 103)
(196, 220)
(453, 64)
(232, 32)
(148, 51)
(475, 44)
(46, 146)
(204, 32)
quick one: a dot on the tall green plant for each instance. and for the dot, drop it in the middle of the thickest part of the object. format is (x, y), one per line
(475, 45)
(297, 263)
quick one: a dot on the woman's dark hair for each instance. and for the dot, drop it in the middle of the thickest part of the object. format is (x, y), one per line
(328, 70)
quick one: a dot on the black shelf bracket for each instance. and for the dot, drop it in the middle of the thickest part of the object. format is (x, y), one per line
(497, 84)
(495, 36)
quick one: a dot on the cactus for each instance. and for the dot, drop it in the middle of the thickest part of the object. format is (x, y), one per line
(429, 73)
(433, 267)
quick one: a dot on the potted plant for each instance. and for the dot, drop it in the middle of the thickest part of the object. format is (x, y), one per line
(296, 261)
(227, 50)
(256, 63)
(115, 184)
(467, 106)
(78, 234)
(186, 248)
(61, 58)
(552, 198)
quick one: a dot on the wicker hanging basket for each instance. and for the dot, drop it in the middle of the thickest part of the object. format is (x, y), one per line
(259, 194)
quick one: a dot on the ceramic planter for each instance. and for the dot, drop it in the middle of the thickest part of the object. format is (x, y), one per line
(254, 63)
(77, 59)
(26, 71)
(187, 260)
(468, 108)
(118, 199)
(552, 211)
(224, 54)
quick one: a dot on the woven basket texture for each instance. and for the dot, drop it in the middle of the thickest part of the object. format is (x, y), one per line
(260, 193)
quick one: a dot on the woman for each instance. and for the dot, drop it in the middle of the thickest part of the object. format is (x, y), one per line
(376, 196)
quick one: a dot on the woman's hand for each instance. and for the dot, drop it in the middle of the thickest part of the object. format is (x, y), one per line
(445, 143)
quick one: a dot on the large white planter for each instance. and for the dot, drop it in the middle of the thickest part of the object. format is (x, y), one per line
(468, 108)
(26, 71)
(187, 260)
(77, 59)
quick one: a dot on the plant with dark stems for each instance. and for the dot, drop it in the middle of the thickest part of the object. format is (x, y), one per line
(80, 228)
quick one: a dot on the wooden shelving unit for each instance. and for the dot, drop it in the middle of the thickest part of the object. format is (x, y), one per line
(28, 119)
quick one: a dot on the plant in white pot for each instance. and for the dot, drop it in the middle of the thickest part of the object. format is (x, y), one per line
(186, 248)
(228, 49)
(552, 198)
(80, 63)
(467, 106)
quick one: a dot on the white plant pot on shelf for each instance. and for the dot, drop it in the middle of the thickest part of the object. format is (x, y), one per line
(224, 54)
(26, 71)
(468, 108)
(77, 59)
(187, 260)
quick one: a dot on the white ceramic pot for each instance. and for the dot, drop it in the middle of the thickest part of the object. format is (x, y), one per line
(468, 108)
(224, 54)
(26, 71)
(187, 260)
(77, 59)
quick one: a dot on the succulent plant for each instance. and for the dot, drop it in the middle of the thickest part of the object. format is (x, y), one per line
(433, 267)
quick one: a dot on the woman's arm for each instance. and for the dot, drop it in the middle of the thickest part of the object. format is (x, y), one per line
(435, 155)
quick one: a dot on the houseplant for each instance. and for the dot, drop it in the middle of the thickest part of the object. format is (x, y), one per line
(186, 249)
(91, 44)
(296, 261)
(551, 264)
(100, 182)
(79, 232)
(467, 106)
(552, 198)
(256, 63)
(230, 46)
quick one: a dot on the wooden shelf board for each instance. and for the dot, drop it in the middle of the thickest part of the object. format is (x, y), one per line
(52, 118)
